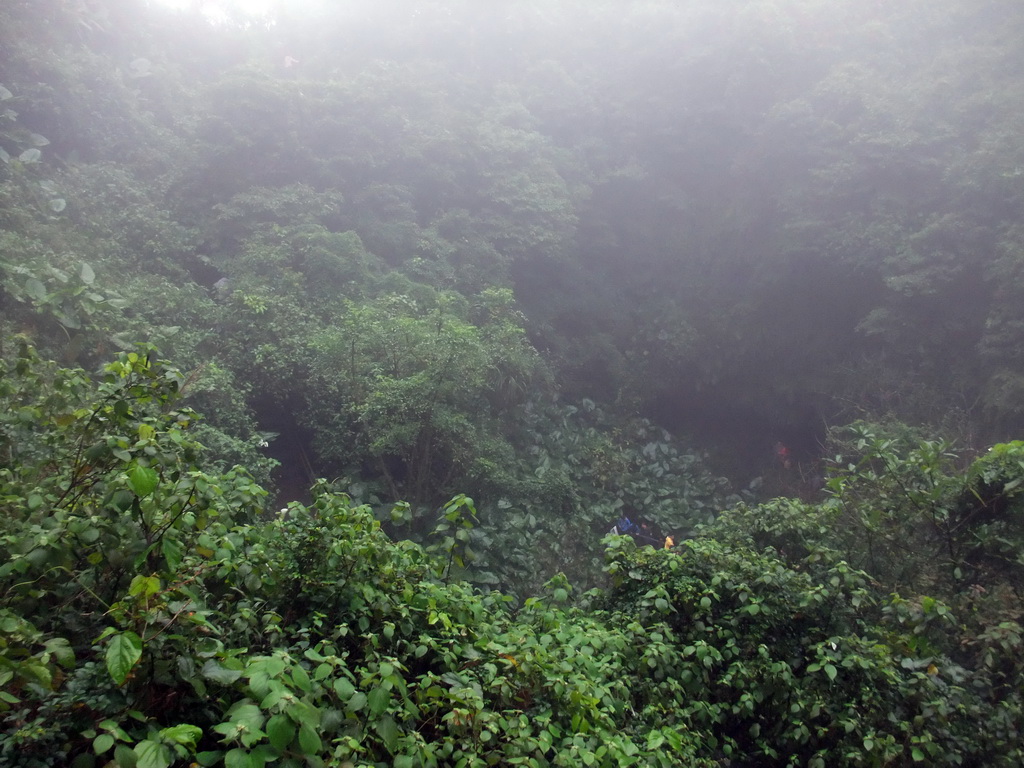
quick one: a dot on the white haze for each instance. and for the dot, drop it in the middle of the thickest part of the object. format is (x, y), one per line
(219, 11)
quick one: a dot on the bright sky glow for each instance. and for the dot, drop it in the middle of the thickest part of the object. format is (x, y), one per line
(218, 10)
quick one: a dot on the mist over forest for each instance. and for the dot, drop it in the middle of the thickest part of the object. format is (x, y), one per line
(429, 383)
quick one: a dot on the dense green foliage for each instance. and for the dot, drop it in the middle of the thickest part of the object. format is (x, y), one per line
(503, 275)
(786, 210)
(151, 614)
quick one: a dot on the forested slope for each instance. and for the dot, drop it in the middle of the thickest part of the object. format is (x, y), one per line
(504, 275)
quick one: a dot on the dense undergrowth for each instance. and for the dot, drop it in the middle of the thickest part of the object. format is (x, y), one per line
(154, 614)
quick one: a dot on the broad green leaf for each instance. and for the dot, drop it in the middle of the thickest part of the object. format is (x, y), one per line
(309, 740)
(102, 743)
(152, 754)
(248, 715)
(388, 730)
(831, 671)
(172, 552)
(5, 94)
(67, 319)
(379, 700)
(123, 652)
(304, 713)
(122, 499)
(35, 289)
(30, 155)
(322, 672)
(301, 679)
(86, 273)
(147, 586)
(89, 536)
(143, 480)
(214, 670)
(241, 758)
(344, 688)
(186, 735)
(357, 702)
(207, 647)
(280, 731)
(115, 730)
(276, 691)
(38, 140)
(125, 756)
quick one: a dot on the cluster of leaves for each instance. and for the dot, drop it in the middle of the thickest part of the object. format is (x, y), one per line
(942, 534)
(805, 663)
(922, 516)
(419, 392)
(15, 136)
(151, 616)
(577, 470)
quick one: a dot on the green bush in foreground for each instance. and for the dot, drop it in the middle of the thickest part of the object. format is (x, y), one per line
(151, 616)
